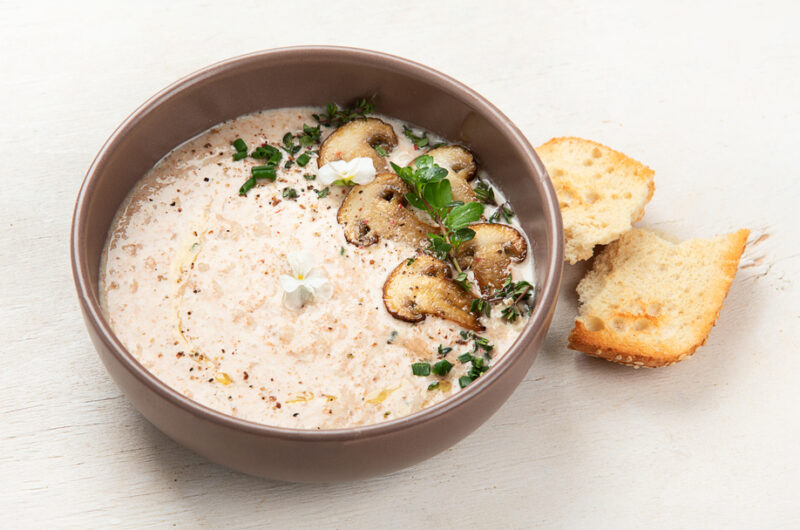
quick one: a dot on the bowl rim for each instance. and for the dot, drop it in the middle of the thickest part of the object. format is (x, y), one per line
(547, 289)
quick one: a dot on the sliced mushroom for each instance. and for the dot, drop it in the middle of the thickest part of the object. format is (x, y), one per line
(490, 253)
(461, 168)
(358, 138)
(422, 286)
(378, 209)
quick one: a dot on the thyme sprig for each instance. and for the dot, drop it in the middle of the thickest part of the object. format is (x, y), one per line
(503, 210)
(517, 292)
(334, 116)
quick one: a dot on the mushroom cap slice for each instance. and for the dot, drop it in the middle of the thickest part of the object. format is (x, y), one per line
(378, 209)
(356, 139)
(461, 168)
(422, 286)
(490, 253)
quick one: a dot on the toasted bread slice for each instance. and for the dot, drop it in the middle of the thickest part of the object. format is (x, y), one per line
(602, 192)
(650, 302)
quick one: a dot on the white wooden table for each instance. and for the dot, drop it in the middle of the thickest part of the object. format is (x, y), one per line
(708, 96)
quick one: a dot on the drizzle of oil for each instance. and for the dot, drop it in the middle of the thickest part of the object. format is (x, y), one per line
(382, 395)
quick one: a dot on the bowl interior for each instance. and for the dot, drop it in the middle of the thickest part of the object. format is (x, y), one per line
(314, 76)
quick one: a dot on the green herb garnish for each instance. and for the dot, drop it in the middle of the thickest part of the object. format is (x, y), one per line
(504, 210)
(239, 145)
(289, 193)
(380, 150)
(393, 334)
(421, 369)
(336, 117)
(310, 135)
(442, 351)
(465, 380)
(485, 193)
(239, 156)
(462, 281)
(303, 159)
(267, 171)
(465, 357)
(431, 192)
(443, 367)
(309, 176)
(272, 154)
(419, 141)
(321, 194)
(519, 293)
(481, 306)
(257, 173)
(433, 386)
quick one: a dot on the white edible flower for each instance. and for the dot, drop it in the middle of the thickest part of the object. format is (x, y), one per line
(306, 283)
(357, 171)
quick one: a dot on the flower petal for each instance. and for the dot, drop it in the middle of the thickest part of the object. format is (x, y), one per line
(332, 171)
(363, 170)
(300, 262)
(316, 278)
(289, 283)
(298, 298)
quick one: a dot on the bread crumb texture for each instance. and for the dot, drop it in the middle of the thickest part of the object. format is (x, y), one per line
(650, 302)
(601, 192)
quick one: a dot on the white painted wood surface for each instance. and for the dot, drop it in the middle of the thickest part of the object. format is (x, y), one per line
(706, 95)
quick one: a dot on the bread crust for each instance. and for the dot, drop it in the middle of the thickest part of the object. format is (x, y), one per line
(632, 350)
(585, 225)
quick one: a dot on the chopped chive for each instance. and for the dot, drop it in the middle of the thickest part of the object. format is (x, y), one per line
(239, 156)
(465, 357)
(239, 145)
(247, 186)
(465, 380)
(421, 369)
(433, 386)
(381, 151)
(321, 194)
(303, 159)
(309, 176)
(443, 367)
(263, 172)
(289, 193)
(442, 351)
(288, 164)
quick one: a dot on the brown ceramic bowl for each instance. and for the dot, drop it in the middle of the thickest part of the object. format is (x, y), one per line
(313, 76)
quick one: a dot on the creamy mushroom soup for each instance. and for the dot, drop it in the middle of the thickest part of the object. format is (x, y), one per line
(228, 275)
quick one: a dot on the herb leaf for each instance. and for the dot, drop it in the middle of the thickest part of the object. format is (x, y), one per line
(460, 216)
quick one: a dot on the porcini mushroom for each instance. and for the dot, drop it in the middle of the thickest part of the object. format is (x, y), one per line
(378, 209)
(356, 139)
(490, 253)
(422, 286)
(461, 168)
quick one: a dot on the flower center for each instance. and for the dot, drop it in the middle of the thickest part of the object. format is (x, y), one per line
(299, 276)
